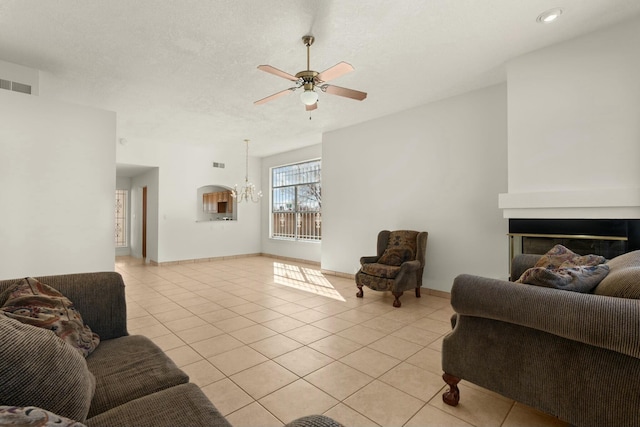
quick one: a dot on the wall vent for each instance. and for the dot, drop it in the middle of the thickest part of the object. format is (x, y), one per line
(218, 165)
(15, 86)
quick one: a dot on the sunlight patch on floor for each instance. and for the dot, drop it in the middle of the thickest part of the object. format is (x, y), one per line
(304, 279)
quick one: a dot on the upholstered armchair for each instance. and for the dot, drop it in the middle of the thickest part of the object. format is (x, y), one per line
(397, 267)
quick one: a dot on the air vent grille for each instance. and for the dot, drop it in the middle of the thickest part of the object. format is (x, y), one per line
(218, 165)
(15, 86)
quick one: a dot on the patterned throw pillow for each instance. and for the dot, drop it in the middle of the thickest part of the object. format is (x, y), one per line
(34, 303)
(395, 256)
(32, 416)
(560, 257)
(576, 279)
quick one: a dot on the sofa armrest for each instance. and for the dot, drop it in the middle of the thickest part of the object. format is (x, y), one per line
(98, 297)
(369, 259)
(601, 321)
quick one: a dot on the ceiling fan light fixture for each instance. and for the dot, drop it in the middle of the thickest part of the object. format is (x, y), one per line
(309, 97)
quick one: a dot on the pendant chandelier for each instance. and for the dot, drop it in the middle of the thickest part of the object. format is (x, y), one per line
(248, 190)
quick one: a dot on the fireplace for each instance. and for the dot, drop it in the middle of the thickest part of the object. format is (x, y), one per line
(606, 237)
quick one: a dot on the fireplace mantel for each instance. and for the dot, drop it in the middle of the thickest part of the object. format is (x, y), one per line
(623, 203)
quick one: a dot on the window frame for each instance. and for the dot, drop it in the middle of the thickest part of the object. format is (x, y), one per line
(301, 217)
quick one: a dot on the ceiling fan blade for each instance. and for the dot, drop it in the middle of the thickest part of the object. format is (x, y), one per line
(274, 96)
(342, 91)
(311, 107)
(334, 72)
(276, 72)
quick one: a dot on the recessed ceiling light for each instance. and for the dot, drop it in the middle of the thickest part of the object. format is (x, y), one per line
(549, 16)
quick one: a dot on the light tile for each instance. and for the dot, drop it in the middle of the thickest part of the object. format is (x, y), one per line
(368, 337)
(226, 396)
(253, 415)
(333, 324)
(263, 379)
(395, 347)
(415, 335)
(263, 315)
(253, 333)
(287, 404)
(303, 361)
(202, 373)
(427, 359)
(184, 355)
(361, 334)
(475, 407)
(335, 346)
(186, 323)
(430, 416)
(234, 323)
(199, 333)
(338, 380)
(384, 404)
(216, 345)
(167, 342)
(307, 334)
(348, 417)
(412, 380)
(370, 361)
(283, 324)
(236, 360)
(525, 416)
(275, 346)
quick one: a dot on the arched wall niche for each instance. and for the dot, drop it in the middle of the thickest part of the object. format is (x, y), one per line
(214, 203)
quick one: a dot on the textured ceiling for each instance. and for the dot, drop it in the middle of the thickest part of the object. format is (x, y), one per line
(185, 71)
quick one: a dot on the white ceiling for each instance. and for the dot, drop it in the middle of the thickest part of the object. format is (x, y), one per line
(185, 71)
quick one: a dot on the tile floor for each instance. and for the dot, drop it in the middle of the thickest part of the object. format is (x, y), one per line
(270, 340)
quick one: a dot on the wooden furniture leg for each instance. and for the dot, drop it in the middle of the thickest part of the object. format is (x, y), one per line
(396, 302)
(418, 292)
(452, 396)
(360, 293)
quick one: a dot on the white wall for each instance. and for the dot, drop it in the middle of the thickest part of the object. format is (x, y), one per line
(182, 169)
(574, 127)
(57, 183)
(310, 251)
(437, 168)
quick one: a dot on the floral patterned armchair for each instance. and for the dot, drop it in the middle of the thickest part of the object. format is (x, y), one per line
(397, 267)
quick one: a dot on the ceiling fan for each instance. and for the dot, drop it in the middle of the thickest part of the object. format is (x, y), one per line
(312, 81)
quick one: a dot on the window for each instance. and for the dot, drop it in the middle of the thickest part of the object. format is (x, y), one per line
(296, 209)
(121, 218)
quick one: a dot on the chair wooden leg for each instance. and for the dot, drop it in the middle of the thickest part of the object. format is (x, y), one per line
(360, 293)
(418, 292)
(396, 302)
(452, 396)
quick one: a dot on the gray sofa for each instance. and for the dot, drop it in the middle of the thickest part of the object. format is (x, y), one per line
(572, 355)
(136, 384)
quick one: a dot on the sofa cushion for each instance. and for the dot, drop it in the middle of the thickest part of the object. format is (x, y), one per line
(623, 280)
(381, 270)
(182, 405)
(32, 416)
(577, 279)
(560, 256)
(127, 368)
(39, 369)
(35, 303)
